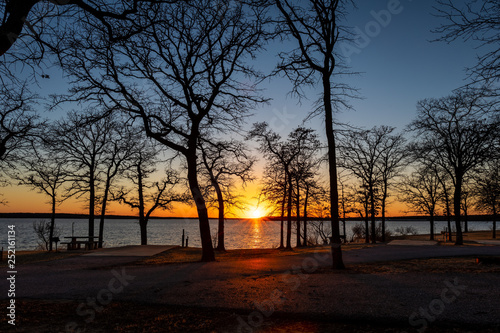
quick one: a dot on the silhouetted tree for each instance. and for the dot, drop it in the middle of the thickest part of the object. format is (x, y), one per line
(466, 202)
(304, 166)
(361, 152)
(44, 171)
(477, 21)
(43, 18)
(315, 26)
(488, 191)
(18, 121)
(121, 145)
(314, 196)
(180, 76)
(393, 158)
(148, 195)
(277, 151)
(223, 161)
(274, 190)
(83, 143)
(459, 133)
(421, 190)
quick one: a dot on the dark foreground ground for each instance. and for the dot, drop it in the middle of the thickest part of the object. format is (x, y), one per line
(384, 289)
(60, 316)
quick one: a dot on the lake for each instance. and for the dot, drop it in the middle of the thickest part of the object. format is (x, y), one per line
(242, 233)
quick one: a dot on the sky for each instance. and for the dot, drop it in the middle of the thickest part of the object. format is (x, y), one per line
(398, 66)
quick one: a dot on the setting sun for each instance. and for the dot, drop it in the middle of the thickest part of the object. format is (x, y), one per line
(257, 213)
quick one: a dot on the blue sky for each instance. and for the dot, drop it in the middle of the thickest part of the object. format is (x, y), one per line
(399, 67)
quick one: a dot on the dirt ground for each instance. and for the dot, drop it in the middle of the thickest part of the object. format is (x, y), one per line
(125, 317)
(60, 315)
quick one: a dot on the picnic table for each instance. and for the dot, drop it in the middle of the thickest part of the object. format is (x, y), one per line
(76, 242)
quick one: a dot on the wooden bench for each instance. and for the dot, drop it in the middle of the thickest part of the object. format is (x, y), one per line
(76, 244)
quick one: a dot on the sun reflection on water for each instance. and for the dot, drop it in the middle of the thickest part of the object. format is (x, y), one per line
(256, 233)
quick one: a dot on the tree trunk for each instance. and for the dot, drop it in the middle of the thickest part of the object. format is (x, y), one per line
(466, 219)
(432, 225)
(305, 216)
(448, 213)
(289, 215)
(384, 199)
(297, 209)
(91, 203)
(372, 213)
(12, 27)
(103, 212)
(337, 262)
(142, 219)
(143, 225)
(283, 214)
(343, 214)
(220, 232)
(456, 209)
(206, 240)
(52, 221)
(367, 227)
(494, 221)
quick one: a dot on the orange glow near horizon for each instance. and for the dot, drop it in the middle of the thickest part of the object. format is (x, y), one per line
(23, 200)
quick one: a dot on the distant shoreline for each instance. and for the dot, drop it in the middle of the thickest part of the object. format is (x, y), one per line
(270, 218)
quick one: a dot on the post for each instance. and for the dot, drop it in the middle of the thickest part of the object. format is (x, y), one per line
(182, 237)
(187, 239)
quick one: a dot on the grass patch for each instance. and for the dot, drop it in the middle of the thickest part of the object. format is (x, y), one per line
(470, 238)
(453, 265)
(192, 254)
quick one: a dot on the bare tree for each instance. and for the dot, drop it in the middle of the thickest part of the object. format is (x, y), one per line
(477, 21)
(304, 168)
(83, 144)
(222, 162)
(393, 158)
(35, 21)
(275, 191)
(148, 195)
(466, 202)
(421, 190)
(44, 171)
(180, 76)
(122, 143)
(281, 153)
(314, 196)
(315, 26)
(18, 121)
(488, 191)
(360, 152)
(459, 133)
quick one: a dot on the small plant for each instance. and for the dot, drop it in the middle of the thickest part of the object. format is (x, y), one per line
(215, 234)
(359, 232)
(404, 231)
(42, 231)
